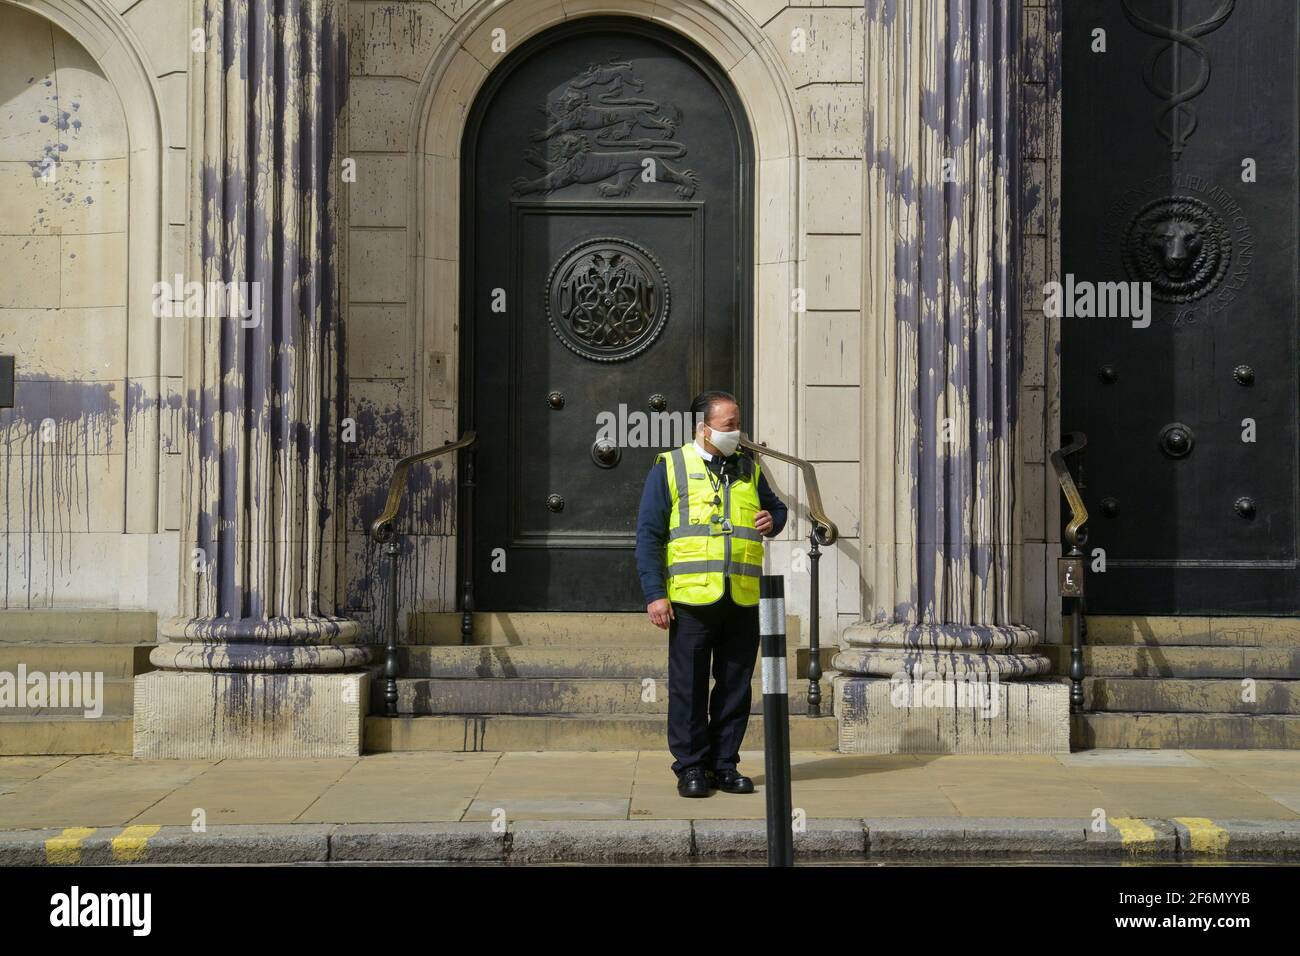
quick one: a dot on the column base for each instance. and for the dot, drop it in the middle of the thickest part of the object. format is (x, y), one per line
(880, 715)
(212, 715)
(961, 651)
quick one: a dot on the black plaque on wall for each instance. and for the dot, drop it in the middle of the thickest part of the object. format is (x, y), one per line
(6, 381)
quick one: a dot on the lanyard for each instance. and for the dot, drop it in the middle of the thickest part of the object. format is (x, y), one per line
(716, 484)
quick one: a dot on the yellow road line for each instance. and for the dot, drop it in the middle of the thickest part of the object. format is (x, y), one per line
(1134, 833)
(129, 846)
(1205, 834)
(66, 847)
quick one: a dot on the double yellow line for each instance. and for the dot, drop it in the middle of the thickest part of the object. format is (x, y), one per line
(129, 846)
(1206, 836)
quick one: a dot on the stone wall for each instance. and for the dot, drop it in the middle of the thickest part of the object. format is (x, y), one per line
(1040, 387)
(91, 515)
(402, 256)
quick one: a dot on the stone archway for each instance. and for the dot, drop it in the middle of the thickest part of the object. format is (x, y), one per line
(86, 212)
(459, 69)
(100, 30)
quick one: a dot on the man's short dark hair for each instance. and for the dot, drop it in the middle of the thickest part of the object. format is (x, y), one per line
(702, 406)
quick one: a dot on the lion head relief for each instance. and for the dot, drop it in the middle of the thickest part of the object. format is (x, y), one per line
(1178, 244)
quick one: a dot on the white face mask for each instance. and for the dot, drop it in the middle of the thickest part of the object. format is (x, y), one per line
(725, 442)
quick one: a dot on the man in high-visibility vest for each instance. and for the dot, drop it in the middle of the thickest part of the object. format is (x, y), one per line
(699, 551)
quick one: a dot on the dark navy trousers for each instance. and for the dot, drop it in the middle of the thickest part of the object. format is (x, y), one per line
(706, 731)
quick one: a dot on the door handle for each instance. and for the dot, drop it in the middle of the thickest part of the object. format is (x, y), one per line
(605, 453)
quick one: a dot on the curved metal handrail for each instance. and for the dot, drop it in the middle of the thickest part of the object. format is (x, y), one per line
(381, 529)
(1074, 442)
(825, 528)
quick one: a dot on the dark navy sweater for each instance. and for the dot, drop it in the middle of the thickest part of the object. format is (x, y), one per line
(652, 523)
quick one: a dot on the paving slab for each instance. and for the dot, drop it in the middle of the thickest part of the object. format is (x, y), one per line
(235, 792)
(1088, 759)
(558, 807)
(1051, 799)
(1170, 798)
(93, 791)
(403, 788)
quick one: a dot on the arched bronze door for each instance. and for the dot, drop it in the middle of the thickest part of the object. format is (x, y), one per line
(606, 277)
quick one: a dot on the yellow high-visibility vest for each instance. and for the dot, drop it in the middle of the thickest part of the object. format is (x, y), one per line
(702, 557)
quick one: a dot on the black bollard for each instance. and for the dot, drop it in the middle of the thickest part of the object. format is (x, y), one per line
(776, 720)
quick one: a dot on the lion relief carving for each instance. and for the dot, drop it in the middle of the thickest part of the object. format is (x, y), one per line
(596, 135)
(1180, 245)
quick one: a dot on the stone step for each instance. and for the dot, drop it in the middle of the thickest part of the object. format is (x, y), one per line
(548, 628)
(1191, 631)
(21, 734)
(115, 661)
(1180, 695)
(588, 697)
(78, 627)
(1147, 731)
(576, 732)
(1189, 662)
(118, 701)
(591, 661)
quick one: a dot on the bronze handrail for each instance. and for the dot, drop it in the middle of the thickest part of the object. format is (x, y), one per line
(1074, 559)
(823, 532)
(1075, 442)
(381, 529)
(824, 527)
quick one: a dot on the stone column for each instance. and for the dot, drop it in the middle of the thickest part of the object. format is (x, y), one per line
(941, 369)
(260, 662)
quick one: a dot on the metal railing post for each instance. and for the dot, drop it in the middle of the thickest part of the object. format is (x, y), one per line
(384, 531)
(814, 630)
(1076, 654)
(1071, 568)
(392, 668)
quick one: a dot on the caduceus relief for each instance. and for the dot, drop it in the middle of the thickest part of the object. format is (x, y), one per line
(1176, 119)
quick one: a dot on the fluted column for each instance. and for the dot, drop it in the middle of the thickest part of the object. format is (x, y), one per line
(261, 582)
(942, 348)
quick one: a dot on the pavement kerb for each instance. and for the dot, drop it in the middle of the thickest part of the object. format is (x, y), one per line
(658, 841)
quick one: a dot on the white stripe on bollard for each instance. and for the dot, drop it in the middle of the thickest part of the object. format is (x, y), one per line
(774, 676)
(771, 616)
(771, 628)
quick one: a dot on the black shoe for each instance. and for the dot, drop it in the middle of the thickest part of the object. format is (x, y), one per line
(732, 781)
(694, 782)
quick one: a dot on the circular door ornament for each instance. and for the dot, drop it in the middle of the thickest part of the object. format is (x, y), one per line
(1180, 245)
(1177, 440)
(607, 299)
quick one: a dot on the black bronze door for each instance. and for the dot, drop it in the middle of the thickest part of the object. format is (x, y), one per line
(1180, 170)
(607, 276)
